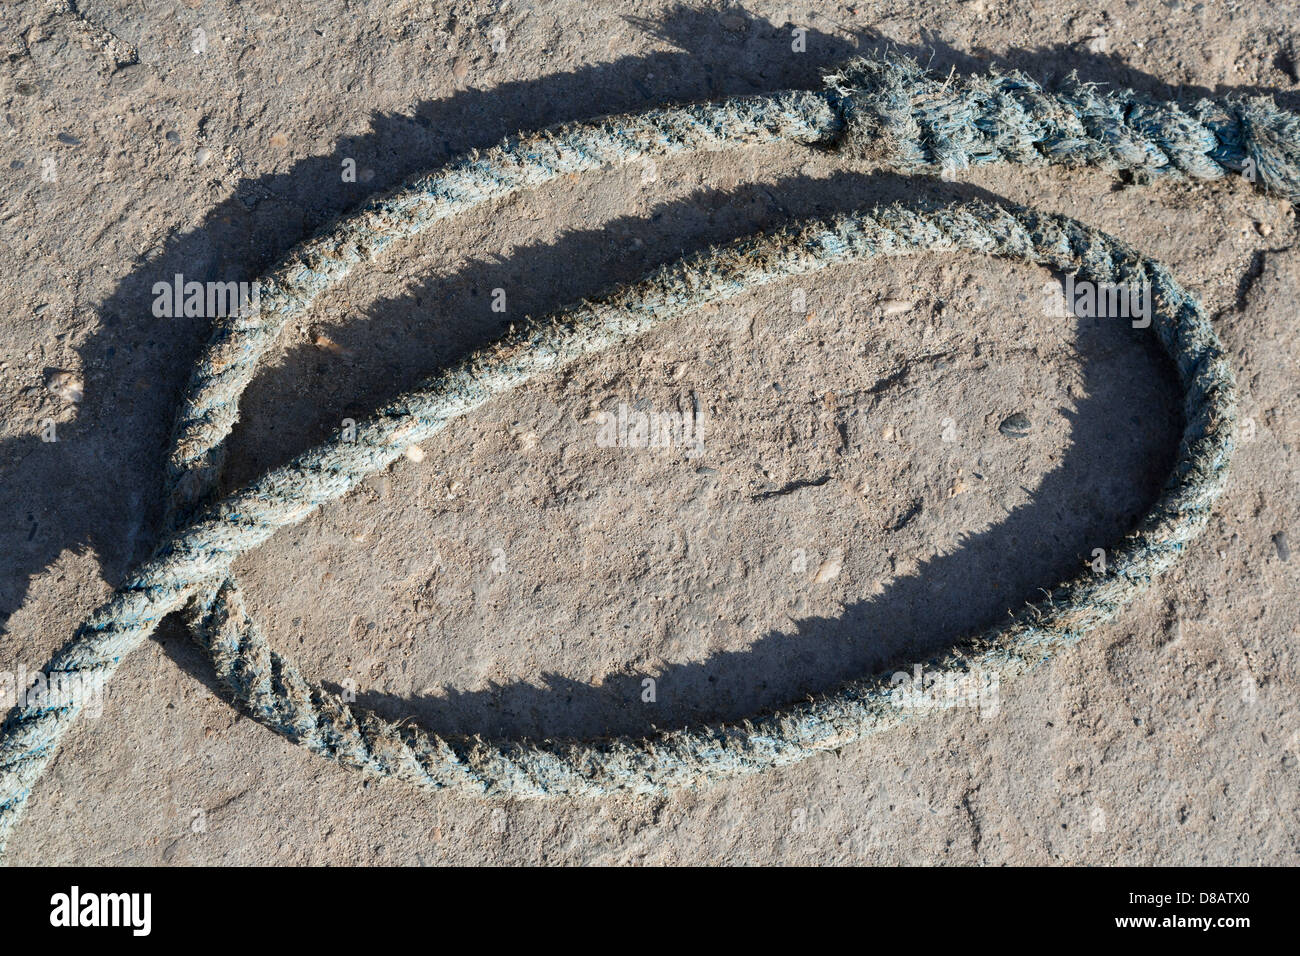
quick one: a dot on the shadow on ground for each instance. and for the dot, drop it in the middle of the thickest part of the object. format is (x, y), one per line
(99, 486)
(1123, 438)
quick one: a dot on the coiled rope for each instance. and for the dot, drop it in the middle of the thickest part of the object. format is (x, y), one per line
(887, 109)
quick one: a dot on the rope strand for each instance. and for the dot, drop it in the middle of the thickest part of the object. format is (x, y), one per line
(886, 109)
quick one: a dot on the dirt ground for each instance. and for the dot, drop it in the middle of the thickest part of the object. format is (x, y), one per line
(855, 503)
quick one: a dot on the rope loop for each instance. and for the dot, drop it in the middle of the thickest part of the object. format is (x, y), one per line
(885, 109)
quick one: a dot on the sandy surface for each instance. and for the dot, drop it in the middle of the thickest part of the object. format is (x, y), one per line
(854, 503)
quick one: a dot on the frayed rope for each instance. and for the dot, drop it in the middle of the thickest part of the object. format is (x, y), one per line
(886, 109)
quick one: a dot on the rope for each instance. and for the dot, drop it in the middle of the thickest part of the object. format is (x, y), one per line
(912, 122)
(886, 109)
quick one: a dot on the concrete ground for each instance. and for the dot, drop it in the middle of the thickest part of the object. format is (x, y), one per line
(856, 501)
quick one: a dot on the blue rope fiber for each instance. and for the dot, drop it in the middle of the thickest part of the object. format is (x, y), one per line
(885, 109)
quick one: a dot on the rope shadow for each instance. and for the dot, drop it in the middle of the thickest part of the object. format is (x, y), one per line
(73, 489)
(1113, 470)
(104, 464)
(135, 366)
(1088, 501)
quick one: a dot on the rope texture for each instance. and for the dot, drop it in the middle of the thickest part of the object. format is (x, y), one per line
(913, 122)
(886, 109)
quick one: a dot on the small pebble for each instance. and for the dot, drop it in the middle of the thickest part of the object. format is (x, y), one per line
(1264, 229)
(896, 306)
(66, 385)
(325, 343)
(1015, 426)
(202, 155)
(173, 136)
(415, 453)
(67, 139)
(279, 140)
(829, 570)
(1283, 548)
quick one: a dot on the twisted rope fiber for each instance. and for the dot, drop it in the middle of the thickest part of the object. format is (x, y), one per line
(886, 109)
